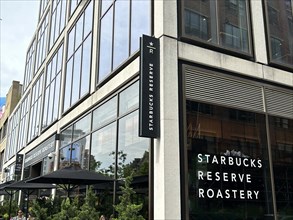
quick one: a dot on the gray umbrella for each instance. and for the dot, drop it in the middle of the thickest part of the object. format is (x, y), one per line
(72, 176)
(26, 188)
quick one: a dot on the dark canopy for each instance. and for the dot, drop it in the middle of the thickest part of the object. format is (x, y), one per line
(24, 185)
(72, 175)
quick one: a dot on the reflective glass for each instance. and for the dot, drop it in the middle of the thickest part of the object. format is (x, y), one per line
(105, 113)
(228, 174)
(121, 32)
(105, 5)
(280, 31)
(68, 82)
(78, 32)
(86, 62)
(133, 151)
(129, 99)
(76, 76)
(140, 22)
(82, 127)
(103, 150)
(281, 134)
(105, 45)
(80, 152)
(223, 23)
(88, 20)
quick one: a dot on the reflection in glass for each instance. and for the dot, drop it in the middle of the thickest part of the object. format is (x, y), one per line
(216, 135)
(103, 150)
(140, 22)
(82, 127)
(105, 45)
(223, 23)
(280, 31)
(79, 51)
(105, 113)
(129, 99)
(132, 150)
(86, 62)
(281, 134)
(121, 32)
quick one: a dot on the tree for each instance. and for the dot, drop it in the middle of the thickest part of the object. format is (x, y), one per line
(88, 210)
(126, 209)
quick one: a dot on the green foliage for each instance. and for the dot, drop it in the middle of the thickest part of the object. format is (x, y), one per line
(4, 209)
(43, 208)
(69, 210)
(87, 210)
(126, 209)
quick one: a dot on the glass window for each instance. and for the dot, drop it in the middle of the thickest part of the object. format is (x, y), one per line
(36, 109)
(81, 127)
(52, 89)
(224, 23)
(77, 83)
(23, 124)
(105, 113)
(280, 31)
(122, 23)
(129, 99)
(57, 20)
(42, 43)
(281, 130)
(121, 32)
(132, 150)
(103, 150)
(29, 66)
(227, 163)
(73, 5)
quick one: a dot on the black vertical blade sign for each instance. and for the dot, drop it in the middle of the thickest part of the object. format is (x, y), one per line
(149, 87)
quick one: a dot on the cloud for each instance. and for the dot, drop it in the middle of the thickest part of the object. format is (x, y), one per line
(18, 25)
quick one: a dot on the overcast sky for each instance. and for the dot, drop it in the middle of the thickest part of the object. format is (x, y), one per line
(18, 24)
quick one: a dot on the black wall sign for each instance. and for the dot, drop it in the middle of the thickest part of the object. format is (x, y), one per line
(149, 91)
(18, 164)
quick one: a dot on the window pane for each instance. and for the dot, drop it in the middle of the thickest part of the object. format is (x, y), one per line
(223, 23)
(129, 99)
(80, 152)
(121, 32)
(103, 150)
(105, 113)
(281, 130)
(68, 81)
(86, 62)
(133, 151)
(82, 127)
(88, 20)
(280, 30)
(76, 76)
(105, 45)
(105, 5)
(228, 167)
(140, 22)
(233, 23)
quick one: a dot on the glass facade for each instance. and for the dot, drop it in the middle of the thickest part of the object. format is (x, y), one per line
(228, 167)
(78, 64)
(52, 88)
(58, 20)
(280, 31)
(29, 66)
(122, 22)
(106, 141)
(281, 134)
(223, 23)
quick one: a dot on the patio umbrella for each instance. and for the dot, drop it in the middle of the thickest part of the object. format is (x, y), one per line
(6, 192)
(26, 188)
(70, 177)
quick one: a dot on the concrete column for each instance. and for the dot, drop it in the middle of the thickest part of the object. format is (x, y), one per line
(258, 31)
(167, 204)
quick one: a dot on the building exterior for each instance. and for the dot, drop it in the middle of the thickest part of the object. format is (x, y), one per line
(12, 98)
(225, 148)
